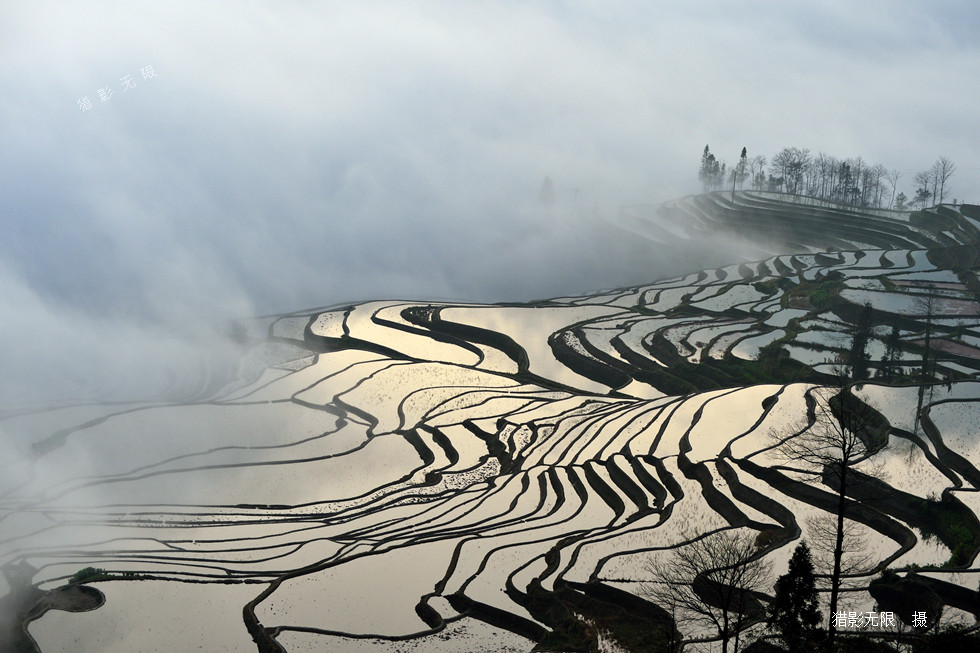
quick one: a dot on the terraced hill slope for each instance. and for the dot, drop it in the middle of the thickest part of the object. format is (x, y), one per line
(439, 476)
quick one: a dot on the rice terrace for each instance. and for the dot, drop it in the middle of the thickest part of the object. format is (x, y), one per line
(410, 476)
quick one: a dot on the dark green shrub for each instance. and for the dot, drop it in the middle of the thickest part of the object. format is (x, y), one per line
(88, 575)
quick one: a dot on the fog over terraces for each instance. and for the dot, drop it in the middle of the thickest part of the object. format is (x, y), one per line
(392, 473)
(406, 326)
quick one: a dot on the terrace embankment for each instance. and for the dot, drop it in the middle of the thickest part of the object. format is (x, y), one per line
(25, 603)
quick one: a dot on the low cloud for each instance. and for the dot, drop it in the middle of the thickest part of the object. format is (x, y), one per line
(285, 155)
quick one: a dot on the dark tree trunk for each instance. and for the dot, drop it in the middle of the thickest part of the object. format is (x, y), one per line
(838, 553)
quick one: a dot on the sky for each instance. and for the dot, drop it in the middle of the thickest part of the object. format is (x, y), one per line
(262, 157)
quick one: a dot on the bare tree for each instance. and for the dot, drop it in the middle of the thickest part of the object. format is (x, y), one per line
(757, 167)
(713, 580)
(923, 180)
(869, 182)
(780, 164)
(792, 164)
(848, 173)
(822, 533)
(857, 172)
(825, 170)
(943, 169)
(878, 174)
(842, 432)
(893, 176)
(847, 181)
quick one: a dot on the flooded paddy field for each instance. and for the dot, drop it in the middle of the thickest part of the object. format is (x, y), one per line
(430, 476)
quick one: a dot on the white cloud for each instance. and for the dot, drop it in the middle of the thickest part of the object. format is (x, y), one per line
(297, 154)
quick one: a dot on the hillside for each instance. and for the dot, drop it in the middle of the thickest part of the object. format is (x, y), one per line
(395, 475)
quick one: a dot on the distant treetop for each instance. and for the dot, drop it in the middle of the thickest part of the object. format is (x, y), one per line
(852, 182)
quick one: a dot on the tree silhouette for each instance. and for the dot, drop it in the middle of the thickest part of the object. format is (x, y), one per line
(795, 613)
(859, 357)
(842, 432)
(942, 170)
(901, 202)
(711, 171)
(889, 367)
(738, 174)
(714, 580)
(923, 181)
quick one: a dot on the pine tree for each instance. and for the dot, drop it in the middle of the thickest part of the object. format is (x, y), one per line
(794, 613)
(711, 172)
(901, 202)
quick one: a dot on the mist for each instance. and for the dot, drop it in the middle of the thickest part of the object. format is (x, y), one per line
(266, 157)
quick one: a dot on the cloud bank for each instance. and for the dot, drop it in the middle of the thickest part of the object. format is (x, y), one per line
(284, 155)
